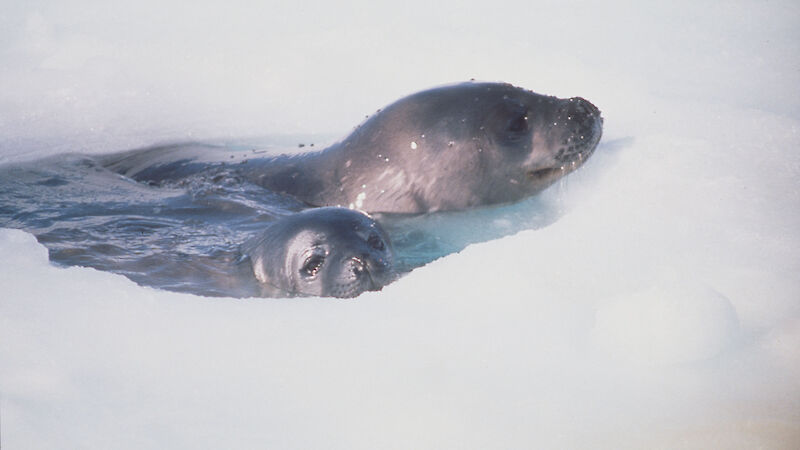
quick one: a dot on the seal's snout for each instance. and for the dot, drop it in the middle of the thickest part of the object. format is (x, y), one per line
(582, 110)
(581, 126)
(371, 271)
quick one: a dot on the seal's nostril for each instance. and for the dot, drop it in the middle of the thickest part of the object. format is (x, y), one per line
(358, 265)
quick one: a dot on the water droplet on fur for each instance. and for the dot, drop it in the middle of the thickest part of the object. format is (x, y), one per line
(360, 199)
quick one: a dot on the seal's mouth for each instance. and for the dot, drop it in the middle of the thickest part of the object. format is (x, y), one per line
(545, 173)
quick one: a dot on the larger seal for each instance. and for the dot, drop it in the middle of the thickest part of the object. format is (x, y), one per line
(447, 148)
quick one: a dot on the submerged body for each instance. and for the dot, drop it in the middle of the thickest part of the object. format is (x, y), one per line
(444, 149)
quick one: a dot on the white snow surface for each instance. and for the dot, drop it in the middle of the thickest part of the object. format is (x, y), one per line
(662, 309)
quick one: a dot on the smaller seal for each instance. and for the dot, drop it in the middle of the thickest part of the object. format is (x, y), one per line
(327, 252)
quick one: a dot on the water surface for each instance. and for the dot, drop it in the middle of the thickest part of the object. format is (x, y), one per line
(186, 235)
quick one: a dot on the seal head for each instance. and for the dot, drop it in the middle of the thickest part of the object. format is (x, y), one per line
(329, 252)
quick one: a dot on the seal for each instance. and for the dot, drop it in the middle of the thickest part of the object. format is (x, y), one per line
(329, 252)
(448, 148)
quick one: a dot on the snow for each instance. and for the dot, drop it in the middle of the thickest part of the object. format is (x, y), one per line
(661, 309)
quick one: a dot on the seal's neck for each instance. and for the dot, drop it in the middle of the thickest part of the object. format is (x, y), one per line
(312, 178)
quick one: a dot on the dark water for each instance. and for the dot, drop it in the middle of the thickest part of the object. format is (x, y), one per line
(186, 236)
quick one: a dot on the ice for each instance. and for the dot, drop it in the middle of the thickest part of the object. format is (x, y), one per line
(659, 306)
(670, 324)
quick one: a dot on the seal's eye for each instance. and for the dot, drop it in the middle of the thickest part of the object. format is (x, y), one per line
(518, 124)
(375, 242)
(312, 265)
